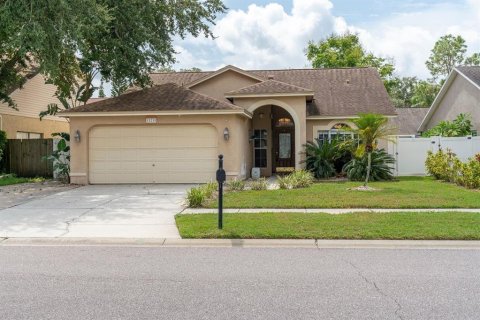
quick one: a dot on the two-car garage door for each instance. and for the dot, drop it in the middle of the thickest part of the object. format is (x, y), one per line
(152, 154)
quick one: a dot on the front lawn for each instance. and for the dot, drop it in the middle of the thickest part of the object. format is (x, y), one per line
(408, 192)
(415, 226)
(9, 179)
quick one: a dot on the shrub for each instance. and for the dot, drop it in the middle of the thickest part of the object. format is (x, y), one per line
(259, 184)
(443, 165)
(195, 197)
(469, 174)
(320, 157)
(235, 185)
(284, 182)
(295, 180)
(210, 188)
(198, 196)
(381, 169)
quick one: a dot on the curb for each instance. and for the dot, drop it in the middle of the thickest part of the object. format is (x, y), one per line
(245, 243)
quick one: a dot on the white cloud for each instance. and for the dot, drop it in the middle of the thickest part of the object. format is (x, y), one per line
(409, 37)
(270, 37)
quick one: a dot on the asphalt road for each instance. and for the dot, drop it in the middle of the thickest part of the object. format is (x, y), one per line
(237, 283)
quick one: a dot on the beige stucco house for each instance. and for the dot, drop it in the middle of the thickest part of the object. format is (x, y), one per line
(31, 99)
(173, 131)
(459, 94)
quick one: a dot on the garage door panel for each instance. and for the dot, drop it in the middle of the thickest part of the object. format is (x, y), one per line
(153, 154)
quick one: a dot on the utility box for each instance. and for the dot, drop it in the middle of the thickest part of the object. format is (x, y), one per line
(255, 173)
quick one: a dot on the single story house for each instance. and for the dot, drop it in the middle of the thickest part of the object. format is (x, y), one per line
(31, 99)
(459, 94)
(173, 131)
(408, 121)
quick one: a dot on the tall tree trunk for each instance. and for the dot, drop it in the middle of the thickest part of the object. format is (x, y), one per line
(369, 166)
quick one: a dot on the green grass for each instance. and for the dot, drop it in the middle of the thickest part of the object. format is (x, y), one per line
(418, 226)
(408, 192)
(9, 179)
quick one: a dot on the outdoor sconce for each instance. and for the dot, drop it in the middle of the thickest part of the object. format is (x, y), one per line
(226, 134)
(77, 136)
(261, 115)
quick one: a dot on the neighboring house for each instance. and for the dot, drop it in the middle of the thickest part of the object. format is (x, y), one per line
(459, 94)
(174, 131)
(408, 120)
(31, 99)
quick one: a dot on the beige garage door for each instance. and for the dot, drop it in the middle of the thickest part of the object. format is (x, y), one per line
(152, 154)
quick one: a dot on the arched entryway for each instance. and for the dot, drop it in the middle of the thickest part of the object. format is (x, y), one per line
(274, 147)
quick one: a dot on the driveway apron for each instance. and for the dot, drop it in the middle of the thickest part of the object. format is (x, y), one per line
(114, 211)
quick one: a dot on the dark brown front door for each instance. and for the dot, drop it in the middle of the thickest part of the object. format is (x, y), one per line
(283, 148)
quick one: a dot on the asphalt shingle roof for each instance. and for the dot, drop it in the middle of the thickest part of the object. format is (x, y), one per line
(337, 92)
(408, 120)
(164, 97)
(269, 86)
(471, 72)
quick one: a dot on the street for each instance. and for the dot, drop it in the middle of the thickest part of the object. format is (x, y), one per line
(93, 282)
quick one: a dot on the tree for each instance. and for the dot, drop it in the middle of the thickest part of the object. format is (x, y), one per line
(402, 90)
(448, 52)
(460, 127)
(370, 128)
(424, 94)
(193, 69)
(70, 42)
(346, 51)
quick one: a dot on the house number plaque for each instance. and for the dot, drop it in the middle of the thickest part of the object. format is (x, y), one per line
(151, 120)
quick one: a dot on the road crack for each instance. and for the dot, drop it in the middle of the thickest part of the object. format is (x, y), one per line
(375, 286)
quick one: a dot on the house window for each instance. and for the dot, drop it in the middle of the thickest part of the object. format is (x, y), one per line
(260, 148)
(337, 132)
(28, 135)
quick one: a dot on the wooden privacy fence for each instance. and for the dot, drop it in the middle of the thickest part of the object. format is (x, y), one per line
(25, 158)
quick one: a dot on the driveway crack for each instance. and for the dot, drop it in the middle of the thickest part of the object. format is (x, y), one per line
(375, 286)
(69, 222)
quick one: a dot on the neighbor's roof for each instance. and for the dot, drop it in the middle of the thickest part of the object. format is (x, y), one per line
(165, 97)
(408, 120)
(269, 87)
(337, 92)
(472, 73)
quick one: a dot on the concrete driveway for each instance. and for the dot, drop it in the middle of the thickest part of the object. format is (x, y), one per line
(116, 211)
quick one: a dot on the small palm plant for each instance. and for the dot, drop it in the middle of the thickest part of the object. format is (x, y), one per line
(320, 157)
(371, 127)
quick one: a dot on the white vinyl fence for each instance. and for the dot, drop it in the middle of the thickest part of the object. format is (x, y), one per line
(411, 153)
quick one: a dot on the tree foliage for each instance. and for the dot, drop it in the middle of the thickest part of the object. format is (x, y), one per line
(344, 51)
(460, 127)
(448, 52)
(71, 41)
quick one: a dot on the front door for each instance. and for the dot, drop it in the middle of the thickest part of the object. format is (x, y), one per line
(283, 147)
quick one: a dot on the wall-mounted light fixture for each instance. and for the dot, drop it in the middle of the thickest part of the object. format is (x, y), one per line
(77, 135)
(261, 115)
(226, 134)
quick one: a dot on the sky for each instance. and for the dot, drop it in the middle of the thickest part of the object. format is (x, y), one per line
(273, 34)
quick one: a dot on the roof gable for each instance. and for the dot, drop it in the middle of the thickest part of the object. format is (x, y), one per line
(223, 70)
(270, 87)
(471, 74)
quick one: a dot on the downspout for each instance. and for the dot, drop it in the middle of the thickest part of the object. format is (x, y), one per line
(1, 122)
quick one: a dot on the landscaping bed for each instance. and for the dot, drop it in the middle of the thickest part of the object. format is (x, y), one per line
(393, 226)
(407, 192)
